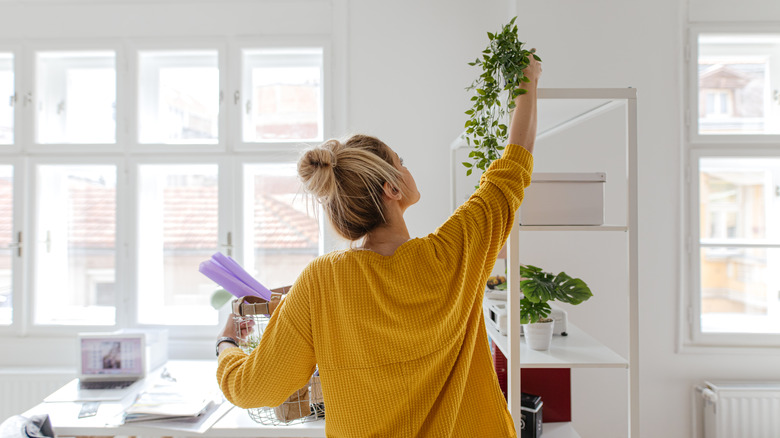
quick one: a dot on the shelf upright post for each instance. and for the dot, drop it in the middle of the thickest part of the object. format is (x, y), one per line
(513, 323)
(633, 264)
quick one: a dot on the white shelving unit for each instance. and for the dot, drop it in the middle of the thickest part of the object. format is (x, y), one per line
(578, 350)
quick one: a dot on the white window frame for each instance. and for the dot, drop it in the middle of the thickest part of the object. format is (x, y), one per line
(19, 84)
(692, 80)
(237, 99)
(19, 299)
(228, 211)
(126, 153)
(33, 238)
(122, 87)
(697, 146)
(189, 44)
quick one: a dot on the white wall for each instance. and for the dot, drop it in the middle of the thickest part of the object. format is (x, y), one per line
(406, 75)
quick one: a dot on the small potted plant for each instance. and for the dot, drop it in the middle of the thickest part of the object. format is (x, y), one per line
(538, 289)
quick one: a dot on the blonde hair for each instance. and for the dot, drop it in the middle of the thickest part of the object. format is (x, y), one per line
(348, 180)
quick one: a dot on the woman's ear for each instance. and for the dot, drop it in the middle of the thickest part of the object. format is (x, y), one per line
(392, 192)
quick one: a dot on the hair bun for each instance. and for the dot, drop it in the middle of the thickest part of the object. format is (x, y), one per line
(316, 169)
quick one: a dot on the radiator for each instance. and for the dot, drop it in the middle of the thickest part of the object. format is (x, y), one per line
(20, 390)
(741, 409)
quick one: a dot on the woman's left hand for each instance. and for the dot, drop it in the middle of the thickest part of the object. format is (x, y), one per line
(231, 329)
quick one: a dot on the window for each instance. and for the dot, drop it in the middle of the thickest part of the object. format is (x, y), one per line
(8, 245)
(178, 100)
(7, 98)
(121, 210)
(76, 101)
(281, 229)
(738, 80)
(282, 91)
(734, 228)
(177, 229)
(740, 244)
(75, 234)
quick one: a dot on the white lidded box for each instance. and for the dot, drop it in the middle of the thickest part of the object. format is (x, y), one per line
(564, 199)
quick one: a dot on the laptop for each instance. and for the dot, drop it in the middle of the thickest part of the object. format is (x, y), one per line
(111, 367)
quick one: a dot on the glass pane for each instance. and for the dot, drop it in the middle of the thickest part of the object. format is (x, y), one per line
(282, 92)
(7, 98)
(281, 229)
(178, 100)
(737, 88)
(75, 244)
(177, 230)
(739, 290)
(76, 97)
(6, 240)
(739, 198)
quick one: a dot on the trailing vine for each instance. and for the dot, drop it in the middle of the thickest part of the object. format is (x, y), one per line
(496, 88)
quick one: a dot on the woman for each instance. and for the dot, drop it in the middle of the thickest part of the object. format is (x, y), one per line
(395, 325)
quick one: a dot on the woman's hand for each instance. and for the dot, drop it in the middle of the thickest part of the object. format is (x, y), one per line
(532, 72)
(522, 128)
(232, 331)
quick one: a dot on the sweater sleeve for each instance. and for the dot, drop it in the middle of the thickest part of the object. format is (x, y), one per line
(483, 223)
(281, 364)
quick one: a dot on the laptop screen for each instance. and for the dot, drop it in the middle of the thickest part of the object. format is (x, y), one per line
(111, 356)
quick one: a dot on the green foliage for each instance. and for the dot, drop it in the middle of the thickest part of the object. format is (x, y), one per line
(496, 88)
(540, 287)
(219, 298)
(531, 312)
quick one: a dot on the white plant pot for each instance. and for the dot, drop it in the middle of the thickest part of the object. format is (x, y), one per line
(538, 335)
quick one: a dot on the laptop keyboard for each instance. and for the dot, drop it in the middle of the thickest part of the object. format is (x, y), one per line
(105, 385)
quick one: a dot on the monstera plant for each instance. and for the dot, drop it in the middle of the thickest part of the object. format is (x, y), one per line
(495, 89)
(538, 289)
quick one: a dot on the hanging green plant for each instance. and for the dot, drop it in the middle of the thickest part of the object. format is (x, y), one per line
(496, 88)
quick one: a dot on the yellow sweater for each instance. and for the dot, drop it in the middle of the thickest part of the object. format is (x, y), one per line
(400, 341)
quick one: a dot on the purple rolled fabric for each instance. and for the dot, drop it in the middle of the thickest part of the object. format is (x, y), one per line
(225, 278)
(238, 272)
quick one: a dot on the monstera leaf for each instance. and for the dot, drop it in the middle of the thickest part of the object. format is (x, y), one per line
(531, 312)
(541, 286)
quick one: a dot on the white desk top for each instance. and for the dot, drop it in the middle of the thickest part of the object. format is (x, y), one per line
(228, 421)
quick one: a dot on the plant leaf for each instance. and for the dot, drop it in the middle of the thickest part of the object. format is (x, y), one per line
(219, 298)
(542, 286)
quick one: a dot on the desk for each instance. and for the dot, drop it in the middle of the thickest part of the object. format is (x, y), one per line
(232, 422)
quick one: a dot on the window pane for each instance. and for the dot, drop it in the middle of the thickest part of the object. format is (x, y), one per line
(6, 240)
(7, 98)
(76, 97)
(739, 290)
(282, 92)
(280, 228)
(739, 198)
(177, 226)
(740, 244)
(737, 88)
(178, 97)
(75, 249)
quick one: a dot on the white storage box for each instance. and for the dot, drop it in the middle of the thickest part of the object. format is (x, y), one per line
(564, 199)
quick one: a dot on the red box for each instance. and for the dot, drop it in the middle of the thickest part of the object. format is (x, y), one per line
(553, 385)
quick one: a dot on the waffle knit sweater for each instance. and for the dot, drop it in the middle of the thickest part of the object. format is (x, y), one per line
(400, 341)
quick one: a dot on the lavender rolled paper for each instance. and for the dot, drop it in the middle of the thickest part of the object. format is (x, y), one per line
(231, 265)
(225, 278)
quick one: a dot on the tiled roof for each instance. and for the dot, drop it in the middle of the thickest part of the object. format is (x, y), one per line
(189, 219)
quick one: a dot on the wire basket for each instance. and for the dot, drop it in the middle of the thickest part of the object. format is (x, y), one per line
(306, 404)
